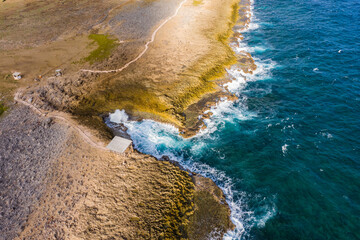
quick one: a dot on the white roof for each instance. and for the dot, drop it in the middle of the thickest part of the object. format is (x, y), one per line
(16, 73)
(119, 144)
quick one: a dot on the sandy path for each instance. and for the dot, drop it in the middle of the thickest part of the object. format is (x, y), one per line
(146, 45)
(69, 121)
(64, 119)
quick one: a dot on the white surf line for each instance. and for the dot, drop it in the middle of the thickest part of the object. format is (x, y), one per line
(63, 119)
(146, 46)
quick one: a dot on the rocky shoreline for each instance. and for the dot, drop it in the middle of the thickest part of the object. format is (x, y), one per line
(55, 186)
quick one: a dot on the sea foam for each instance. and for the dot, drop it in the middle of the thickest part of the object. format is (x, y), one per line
(159, 139)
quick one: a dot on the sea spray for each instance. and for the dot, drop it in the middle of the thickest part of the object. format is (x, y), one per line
(160, 139)
(292, 157)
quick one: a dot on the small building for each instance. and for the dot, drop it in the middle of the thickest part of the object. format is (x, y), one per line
(58, 73)
(17, 75)
(119, 144)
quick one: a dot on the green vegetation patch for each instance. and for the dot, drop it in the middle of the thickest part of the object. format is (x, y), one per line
(131, 96)
(2, 108)
(197, 2)
(162, 103)
(105, 43)
(7, 88)
(224, 37)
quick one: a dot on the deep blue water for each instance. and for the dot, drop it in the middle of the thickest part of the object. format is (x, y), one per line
(287, 154)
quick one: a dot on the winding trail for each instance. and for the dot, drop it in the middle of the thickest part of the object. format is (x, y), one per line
(146, 45)
(65, 119)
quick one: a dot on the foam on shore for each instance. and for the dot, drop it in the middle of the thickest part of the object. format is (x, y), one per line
(159, 139)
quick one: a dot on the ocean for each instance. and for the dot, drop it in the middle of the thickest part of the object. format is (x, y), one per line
(287, 153)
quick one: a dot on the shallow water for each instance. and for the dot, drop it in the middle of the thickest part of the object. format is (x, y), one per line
(287, 153)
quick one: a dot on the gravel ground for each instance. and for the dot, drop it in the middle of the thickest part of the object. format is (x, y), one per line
(26, 155)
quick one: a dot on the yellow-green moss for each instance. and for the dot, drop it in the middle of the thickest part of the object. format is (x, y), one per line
(105, 46)
(134, 98)
(197, 2)
(216, 71)
(167, 215)
(2, 108)
(214, 213)
(182, 206)
(166, 103)
(7, 88)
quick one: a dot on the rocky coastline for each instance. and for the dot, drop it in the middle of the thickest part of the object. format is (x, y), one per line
(54, 185)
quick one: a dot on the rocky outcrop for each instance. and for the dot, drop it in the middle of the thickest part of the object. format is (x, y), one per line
(211, 217)
(54, 185)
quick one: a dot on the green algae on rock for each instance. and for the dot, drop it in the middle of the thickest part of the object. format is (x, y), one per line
(105, 43)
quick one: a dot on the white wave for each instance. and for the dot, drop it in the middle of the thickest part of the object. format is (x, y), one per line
(150, 136)
(240, 78)
(225, 111)
(284, 148)
(160, 139)
(253, 26)
(260, 49)
(269, 213)
(119, 116)
(325, 134)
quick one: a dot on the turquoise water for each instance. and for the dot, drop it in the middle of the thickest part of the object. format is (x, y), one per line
(287, 153)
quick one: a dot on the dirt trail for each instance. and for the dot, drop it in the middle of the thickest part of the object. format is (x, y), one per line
(65, 119)
(70, 122)
(146, 46)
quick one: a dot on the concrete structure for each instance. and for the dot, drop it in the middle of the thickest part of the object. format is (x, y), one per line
(119, 144)
(17, 75)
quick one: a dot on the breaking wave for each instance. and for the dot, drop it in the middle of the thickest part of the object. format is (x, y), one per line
(159, 139)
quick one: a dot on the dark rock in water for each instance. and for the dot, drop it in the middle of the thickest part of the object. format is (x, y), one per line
(165, 158)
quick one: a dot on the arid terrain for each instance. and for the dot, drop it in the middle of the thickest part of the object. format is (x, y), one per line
(56, 186)
(183, 63)
(53, 183)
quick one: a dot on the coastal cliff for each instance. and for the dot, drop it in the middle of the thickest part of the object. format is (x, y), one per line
(168, 68)
(171, 74)
(65, 189)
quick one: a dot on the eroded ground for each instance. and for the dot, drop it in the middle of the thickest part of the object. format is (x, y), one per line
(183, 64)
(55, 186)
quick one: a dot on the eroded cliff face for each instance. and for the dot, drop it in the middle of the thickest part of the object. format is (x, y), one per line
(55, 186)
(176, 72)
